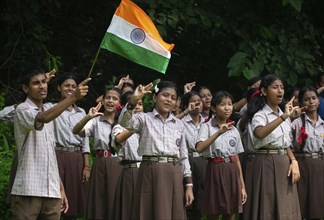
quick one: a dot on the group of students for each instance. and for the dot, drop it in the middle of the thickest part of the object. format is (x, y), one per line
(160, 164)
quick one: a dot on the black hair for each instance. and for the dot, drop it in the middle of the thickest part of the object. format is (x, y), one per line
(199, 88)
(28, 73)
(66, 77)
(250, 94)
(185, 99)
(319, 77)
(302, 92)
(165, 84)
(125, 97)
(128, 85)
(259, 101)
(253, 80)
(217, 99)
(112, 89)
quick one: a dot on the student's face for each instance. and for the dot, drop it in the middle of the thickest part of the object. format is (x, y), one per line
(206, 98)
(196, 101)
(37, 88)
(165, 100)
(67, 88)
(139, 106)
(110, 101)
(310, 100)
(127, 89)
(224, 109)
(256, 84)
(274, 93)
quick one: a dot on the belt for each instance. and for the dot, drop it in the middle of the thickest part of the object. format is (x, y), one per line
(131, 165)
(68, 149)
(195, 154)
(309, 155)
(222, 160)
(160, 159)
(103, 153)
(271, 151)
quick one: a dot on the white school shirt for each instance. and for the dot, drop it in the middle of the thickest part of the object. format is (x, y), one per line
(99, 128)
(315, 140)
(158, 136)
(246, 137)
(63, 126)
(191, 132)
(279, 138)
(227, 144)
(37, 171)
(127, 149)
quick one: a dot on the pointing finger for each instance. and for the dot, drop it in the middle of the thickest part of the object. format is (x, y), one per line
(84, 82)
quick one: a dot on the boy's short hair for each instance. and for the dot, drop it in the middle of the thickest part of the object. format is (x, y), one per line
(28, 73)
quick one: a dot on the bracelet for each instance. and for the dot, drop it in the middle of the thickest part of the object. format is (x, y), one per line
(283, 119)
(130, 106)
(189, 184)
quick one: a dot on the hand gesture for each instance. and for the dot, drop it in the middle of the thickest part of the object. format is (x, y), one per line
(140, 91)
(49, 75)
(225, 127)
(188, 86)
(294, 171)
(94, 111)
(290, 110)
(82, 89)
(122, 81)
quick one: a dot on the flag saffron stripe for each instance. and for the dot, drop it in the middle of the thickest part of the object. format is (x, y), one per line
(135, 53)
(130, 12)
(123, 29)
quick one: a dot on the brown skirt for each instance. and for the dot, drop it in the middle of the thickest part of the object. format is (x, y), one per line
(311, 187)
(223, 189)
(125, 193)
(102, 188)
(271, 195)
(70, 166)
(159, 192)
(198, 169)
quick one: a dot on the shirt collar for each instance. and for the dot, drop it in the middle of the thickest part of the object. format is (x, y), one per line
(171, 116)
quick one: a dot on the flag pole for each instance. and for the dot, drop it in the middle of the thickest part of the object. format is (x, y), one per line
(93, 63)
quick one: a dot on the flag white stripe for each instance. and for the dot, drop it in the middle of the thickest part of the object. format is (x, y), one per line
(123, 29)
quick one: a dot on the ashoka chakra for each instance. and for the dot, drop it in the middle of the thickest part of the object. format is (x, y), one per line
(137, 36)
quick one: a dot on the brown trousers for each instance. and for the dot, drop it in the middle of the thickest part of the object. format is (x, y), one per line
(32, 208)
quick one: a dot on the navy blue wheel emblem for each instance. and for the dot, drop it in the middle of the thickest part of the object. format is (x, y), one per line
(137, 36)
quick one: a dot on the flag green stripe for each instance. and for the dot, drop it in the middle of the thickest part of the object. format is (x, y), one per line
(134, 53)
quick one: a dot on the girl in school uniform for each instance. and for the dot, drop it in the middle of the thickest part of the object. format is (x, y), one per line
(127, 143)
(275, 171)
(309, 148)
(159, 192)
(224, 190)
(106, 169)
(206, 98)
(192, 120)
(72, 151)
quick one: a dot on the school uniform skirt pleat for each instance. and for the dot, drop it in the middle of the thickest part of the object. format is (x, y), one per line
(125, 193)
(198, 168)
(272, 195)
(102, 188)
(70, 166)
(159, 192)
(311, 187)
(222, 189)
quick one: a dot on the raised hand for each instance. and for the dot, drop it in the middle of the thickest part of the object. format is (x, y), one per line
(292, 111)
(94, 111)
(122, 81)
(141, 90)
(225, 127)
(188, 86)
(82, 89)
(49, 75)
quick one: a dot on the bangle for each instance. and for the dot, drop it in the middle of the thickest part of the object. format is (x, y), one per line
(283, 119)
(189, 184)
(130, 106)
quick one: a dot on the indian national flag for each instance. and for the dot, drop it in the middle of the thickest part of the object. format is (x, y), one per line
(133, 35)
